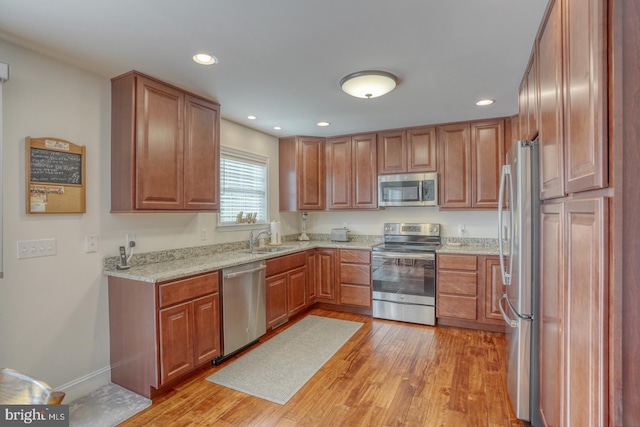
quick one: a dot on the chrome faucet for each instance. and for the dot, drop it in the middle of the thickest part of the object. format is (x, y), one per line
(253, 240)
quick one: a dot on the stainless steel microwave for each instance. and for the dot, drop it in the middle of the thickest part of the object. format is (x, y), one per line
(413, 189)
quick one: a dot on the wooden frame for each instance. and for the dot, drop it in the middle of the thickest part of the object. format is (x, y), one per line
(56, 176)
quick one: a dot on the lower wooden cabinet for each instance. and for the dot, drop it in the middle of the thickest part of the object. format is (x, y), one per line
(160, 332)
(286, 287)
(468, 291)
(355, 277)
(325, 275)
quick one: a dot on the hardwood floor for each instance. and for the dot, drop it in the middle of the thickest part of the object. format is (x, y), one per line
(387, 374)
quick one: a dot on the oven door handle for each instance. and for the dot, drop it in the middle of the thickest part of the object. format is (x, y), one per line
(399, 255)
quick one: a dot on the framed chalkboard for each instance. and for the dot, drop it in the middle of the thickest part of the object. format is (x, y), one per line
(55, 176)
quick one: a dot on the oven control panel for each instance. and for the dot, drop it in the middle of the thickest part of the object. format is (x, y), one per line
(412, 229)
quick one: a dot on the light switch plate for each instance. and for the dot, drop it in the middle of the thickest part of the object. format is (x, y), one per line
(36, 248)
(91, 243)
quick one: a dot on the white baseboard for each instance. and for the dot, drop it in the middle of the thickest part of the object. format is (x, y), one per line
(85, 385)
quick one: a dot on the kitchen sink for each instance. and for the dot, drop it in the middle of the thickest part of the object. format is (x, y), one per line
(271, 249)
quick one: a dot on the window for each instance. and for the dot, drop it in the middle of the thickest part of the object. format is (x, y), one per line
(243, 187)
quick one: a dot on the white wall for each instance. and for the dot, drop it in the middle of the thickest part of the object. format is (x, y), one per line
(54, 310)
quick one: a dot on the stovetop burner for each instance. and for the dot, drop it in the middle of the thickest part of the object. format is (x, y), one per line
(410, 237)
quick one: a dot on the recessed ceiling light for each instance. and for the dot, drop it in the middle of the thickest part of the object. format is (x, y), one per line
(277, 128)
(484, 102)
(205, 59)
(251, 117)
(322, 124)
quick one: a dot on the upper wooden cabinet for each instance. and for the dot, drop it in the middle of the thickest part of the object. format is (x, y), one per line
(302, 173)
(585, 89)
(407, 150)
(528, 99)
(165, 149)
(551, 104)
(352, 181)
(469, 162)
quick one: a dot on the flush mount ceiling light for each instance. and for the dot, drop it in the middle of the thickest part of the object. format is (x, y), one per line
(205, 59)
(484, 102)
(368, 84)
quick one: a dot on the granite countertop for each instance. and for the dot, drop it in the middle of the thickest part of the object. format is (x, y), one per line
(169, 269)
(468, 249)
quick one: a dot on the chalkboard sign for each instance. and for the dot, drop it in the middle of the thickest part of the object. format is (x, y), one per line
(55, 167)
(55, 176)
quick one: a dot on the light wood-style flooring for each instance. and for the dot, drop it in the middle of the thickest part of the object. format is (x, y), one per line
(387, 374)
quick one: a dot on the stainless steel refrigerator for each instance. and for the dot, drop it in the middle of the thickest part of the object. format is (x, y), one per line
(518, 236)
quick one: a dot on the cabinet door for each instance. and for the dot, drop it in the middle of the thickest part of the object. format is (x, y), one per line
(392, 156)
(159, 146)
(176, 341)
(523, 107)
(493, 289)
(551, 314)
(201, 155)
(364, 183)
(487, 151)
(550, 134)
(339, 163)
(421, 150)
(454, 164)
(326, 275)
(587, 316)
(296, 290)
(206, 328)
(311, 276)
(311, 174)
(532, 95)
(585, 108)
(276, 299)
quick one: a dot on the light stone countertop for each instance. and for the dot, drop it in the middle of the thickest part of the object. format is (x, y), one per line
(468, 249)
(163, 271)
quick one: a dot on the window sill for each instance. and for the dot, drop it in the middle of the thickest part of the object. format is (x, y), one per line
(241, 227)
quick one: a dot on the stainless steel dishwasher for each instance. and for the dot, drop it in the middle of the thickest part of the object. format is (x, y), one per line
(244, 317)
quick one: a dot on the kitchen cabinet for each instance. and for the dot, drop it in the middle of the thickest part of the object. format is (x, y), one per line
(351, 168)
(311, 276)
(551, 104)
(468, 291)
(326, 275)
(160, 332)
(165, 147)
(410, 150)
(574, 327)
(286, 287)
(354, 277)
(302, 173)
(469, 164)
(528, 99)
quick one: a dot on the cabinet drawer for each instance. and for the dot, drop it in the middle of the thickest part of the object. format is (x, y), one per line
(183, 290)
(355, 295)
(355, 256)
(355, 274)
(457, 306)
(458, 262)
(285, 263)
(460, 283)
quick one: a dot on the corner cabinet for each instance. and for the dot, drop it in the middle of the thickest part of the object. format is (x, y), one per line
(352, 179)
(302, 173)
(165, 149)
(160, 332)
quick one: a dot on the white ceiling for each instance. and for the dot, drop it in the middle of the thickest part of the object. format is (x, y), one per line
(282, 60)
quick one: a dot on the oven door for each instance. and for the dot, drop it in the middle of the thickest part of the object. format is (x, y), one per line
(404, 277)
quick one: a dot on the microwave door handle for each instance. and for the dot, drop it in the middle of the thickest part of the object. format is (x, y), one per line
(506, 174)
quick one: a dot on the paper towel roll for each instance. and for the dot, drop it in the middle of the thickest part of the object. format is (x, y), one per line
(275, 233)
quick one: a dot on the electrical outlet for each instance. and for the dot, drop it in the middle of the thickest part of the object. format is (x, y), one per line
(130, 240)
(461, 229)
(203, 234)
(36, 248)
(91, 243)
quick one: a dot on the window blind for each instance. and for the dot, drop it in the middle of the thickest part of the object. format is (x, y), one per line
(243, 186)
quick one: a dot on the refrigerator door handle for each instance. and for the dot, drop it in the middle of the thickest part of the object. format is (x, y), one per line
(506, 175)
(511, 323)
(515, 312)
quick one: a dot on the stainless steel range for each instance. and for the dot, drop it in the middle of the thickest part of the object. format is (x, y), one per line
(404, 273)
